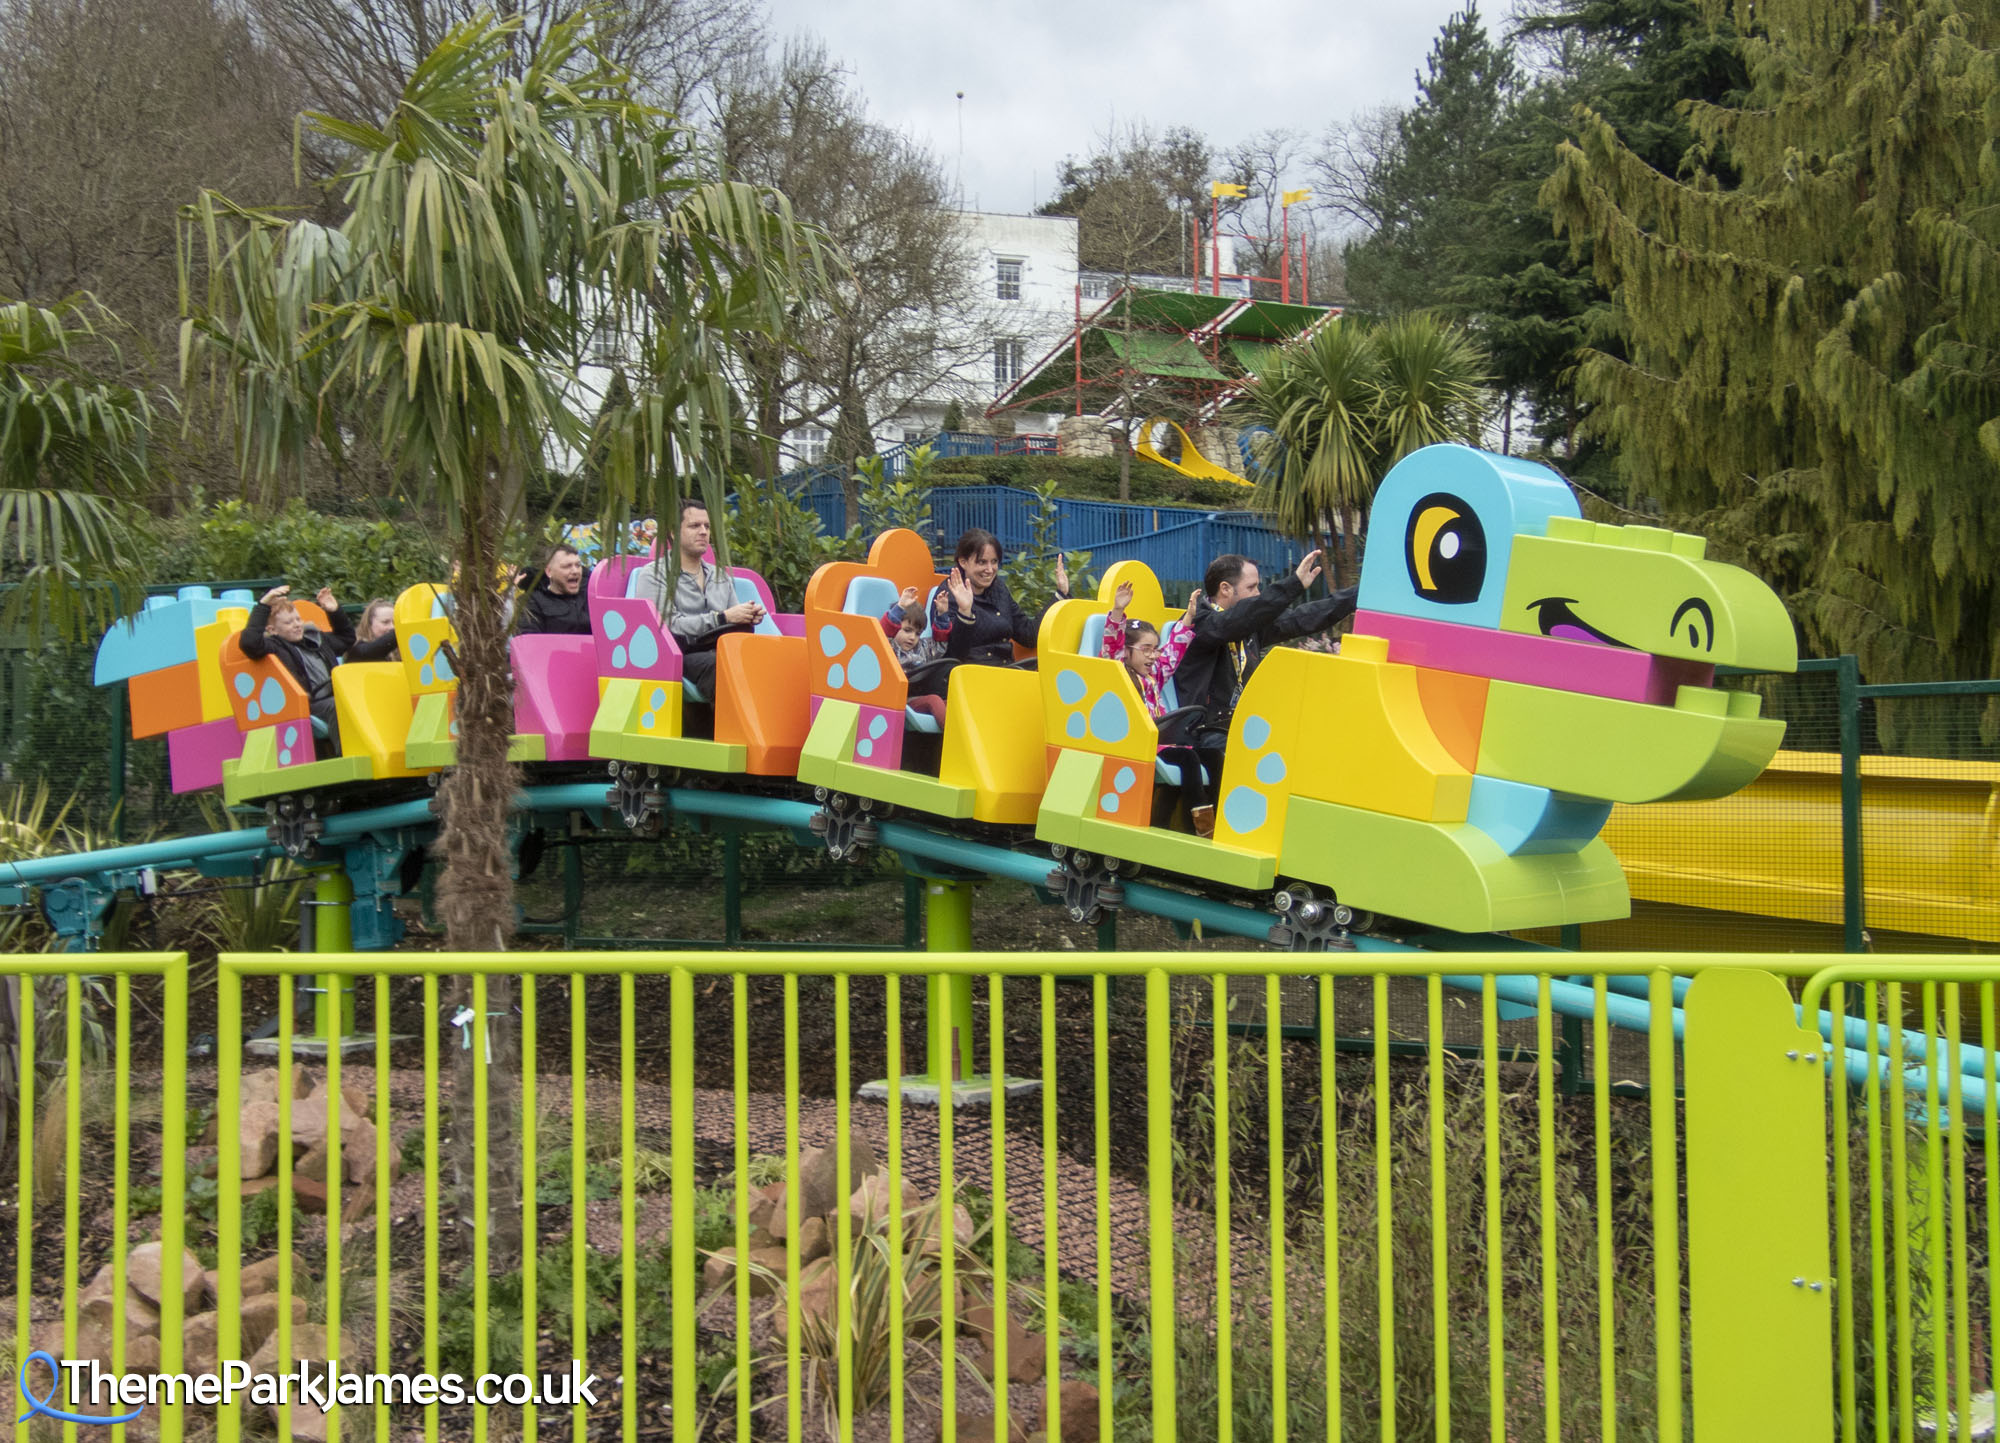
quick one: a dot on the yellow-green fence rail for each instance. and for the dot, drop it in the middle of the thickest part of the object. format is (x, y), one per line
(1224, 1234)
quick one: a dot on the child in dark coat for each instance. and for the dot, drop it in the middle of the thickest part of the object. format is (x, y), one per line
(275, 628)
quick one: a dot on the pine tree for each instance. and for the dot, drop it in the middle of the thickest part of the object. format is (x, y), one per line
(1810, 311)
(1426, 191)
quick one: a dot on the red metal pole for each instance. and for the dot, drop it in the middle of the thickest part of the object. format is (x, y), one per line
(1285, 250)
(1305, 274)
(1215, 244)
(1079, 346)
(1194, 250)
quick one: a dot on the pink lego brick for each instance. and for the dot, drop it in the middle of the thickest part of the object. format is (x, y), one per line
(195, 754)
(879, 738)
(1579, 666)
(555, 692)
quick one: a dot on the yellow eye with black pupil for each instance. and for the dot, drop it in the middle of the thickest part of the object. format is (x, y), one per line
(1445, 550)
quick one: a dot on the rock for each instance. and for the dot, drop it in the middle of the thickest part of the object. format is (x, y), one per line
(210, 1134)
(815, 1240)
(261, 1277)
(985, 1428)
(260, 1184)
(308, 1125)
(312, 1165)
(765, 1202)
(308, 1423)
(357, 1152)
(142, 1355)
(1027, 1355)
(819, 1179)
(142, 1275)
(96, 1308)
(356, 1204)
(257, 1137)
(869, 1207)
(922, 1231)
(720, 1270)
(260, 1321)
(309, 1195)
(360, 1104)
(818, 1293)
(308, 1346)
(1079, 1411)
(263, 1086)
(201, 1161)
(200, 1350)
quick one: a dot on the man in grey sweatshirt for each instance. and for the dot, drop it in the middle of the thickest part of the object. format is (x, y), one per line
(704, 598)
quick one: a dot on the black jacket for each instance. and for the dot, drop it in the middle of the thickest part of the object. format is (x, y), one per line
(382, 648)
(997, 622)
(310, 659)
(1207, 675)
(556, 615)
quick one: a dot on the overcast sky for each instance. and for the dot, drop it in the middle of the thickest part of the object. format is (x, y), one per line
(1045, 78)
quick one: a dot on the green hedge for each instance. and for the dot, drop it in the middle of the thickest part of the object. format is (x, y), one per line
(1090, 478)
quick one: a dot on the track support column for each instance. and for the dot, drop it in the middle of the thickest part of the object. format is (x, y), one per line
(948, 928)
(333, 931)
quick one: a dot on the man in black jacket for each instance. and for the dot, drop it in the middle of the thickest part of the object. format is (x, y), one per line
(557, 604)
(1235, 620)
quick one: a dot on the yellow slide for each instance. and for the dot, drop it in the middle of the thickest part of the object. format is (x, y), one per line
(1192, 462)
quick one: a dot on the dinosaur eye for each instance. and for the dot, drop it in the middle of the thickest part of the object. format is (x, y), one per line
(1695, 623)
(1445, 550)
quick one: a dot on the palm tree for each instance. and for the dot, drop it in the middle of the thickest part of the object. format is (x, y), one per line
(73, 451)
(1342, 405)
(502, 221)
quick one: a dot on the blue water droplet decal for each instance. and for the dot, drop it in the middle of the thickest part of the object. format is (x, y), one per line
(1109, 801)
(864, 671)
(645, 647)
(284, 756)
(244, 685)
(425, 677)
(831, 642)
(444, 671)
(866, 748)
(836, 676)
(1122, 783)
(877, 726)
(454, 728)
(614, 624)
(618, 658)
(659, 698)
(253, 711)
(271, 696)
(289, 736)
(1070, 687)
(1075, 726)
(1108, 719)
(1244, 809)
(1271, 769)
(1256, 731)
(646, 721)
(420, 646)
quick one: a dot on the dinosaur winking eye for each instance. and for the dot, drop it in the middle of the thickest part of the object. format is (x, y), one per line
(1445, 550)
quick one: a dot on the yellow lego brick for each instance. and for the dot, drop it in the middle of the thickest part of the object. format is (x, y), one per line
(1380, 753)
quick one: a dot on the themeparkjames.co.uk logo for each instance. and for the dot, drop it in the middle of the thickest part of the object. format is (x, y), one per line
(321, 1385)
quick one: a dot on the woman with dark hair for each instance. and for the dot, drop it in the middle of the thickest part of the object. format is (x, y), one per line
(988, 620)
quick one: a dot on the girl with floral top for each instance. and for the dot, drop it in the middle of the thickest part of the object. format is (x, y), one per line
(1151, 662)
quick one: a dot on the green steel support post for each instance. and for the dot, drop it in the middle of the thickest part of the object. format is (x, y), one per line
(1569, 1057)
(1853, 898)
(913, 912)
(732, 888)
(1107, 933)
(333, 1009)
(948, 928)
(118, 763)
(572, 894)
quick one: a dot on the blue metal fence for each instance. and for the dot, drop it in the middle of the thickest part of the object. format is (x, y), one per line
(1177, 542)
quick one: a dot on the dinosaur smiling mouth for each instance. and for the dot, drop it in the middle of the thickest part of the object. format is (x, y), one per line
(1554, 616)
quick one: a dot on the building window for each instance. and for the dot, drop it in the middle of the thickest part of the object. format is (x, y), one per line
(1095, 287)
(809, 443)
(1009, 288)
(1007, 362)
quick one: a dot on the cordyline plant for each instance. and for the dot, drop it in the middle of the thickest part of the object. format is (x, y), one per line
(505, 220)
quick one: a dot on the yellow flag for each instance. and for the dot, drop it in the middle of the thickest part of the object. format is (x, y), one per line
(1293, 197)
(1221, 189)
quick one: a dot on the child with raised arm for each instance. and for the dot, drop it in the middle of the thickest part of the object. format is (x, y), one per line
(1151, 663)
(904, 624)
